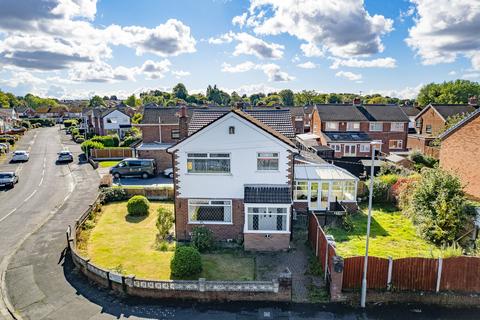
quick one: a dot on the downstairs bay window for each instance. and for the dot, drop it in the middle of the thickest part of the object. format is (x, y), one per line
(209, 211)
(267, 219)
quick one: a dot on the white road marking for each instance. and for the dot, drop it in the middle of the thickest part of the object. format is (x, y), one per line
(28, 198)
(41, 182)
(5, 217)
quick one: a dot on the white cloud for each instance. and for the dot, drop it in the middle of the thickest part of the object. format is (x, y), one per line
(349, 75)
(356, 63)
(307, 65)
(154, 70)
(272, 70)
(311, 50)
(471, 75)
(452, 73)
(445, 29)
(180, 74)
(101, 72)
(343, 27)
(240, 20)
(250, 45)
(405, 93)
(22, 77)
(296, 59)
(251, 89)
(241, 67)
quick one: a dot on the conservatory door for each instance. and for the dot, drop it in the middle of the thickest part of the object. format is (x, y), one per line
(313, 196)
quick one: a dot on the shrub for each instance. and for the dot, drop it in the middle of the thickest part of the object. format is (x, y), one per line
(75, 131)
(107, 141)
(129, 141)
(9, 140)
(380, 190)
(439, 207)
(164, 222)
(26, 124)
(186, 262)
(89, 144)
(114, 194)
(347, 223)
(138, 206)
(202, 238)
(422, 160)
(388, 179)
(71, 122)
(43, 122)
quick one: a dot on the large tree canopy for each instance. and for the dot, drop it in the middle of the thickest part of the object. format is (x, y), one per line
(451, 92)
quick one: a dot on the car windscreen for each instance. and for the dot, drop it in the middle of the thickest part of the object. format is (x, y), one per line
(5, 175)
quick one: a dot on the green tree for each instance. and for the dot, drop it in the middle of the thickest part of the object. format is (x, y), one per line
(164, 222)
(377, 99)
(287, 97)
(439, 207)
(4, 103)
(180, 91)
(451, 92)
(96, 101)
(132, 101)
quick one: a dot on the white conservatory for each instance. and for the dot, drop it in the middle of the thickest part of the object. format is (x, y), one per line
(318, 186)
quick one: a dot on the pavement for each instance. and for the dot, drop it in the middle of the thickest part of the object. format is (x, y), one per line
(42, 283)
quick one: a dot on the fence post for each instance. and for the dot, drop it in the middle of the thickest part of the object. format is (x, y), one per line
(390, 269)
(316, 239)
(201, 284)
(439, 274)
(326, 261)
(109, 152)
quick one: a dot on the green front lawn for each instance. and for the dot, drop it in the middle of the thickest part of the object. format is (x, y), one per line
(129, 246)
(391, 235)
(107, 164)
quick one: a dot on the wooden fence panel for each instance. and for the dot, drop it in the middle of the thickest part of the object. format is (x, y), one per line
(377, 274)
(112, 153)
(461, 274)
(415, 274)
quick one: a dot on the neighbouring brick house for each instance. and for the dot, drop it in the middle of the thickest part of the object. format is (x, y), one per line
(430, 123)
(411, 112)
(349, 129)
(102, 121)
(234, 175)
(460, 152)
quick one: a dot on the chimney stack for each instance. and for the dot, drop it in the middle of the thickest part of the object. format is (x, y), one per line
(357, 101)
(183, 122)
(473, 101)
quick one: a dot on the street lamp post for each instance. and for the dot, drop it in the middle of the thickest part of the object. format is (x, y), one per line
(363, 298)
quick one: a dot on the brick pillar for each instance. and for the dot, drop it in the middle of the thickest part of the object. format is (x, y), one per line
(285, 286)
(183, 122)
(336, 279)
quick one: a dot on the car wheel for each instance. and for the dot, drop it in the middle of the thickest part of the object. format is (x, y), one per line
(144, 175)
(170, 175)
(117, 175)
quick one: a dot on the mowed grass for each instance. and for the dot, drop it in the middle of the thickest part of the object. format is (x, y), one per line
(129, 246)
(107, 164)
(391, 235)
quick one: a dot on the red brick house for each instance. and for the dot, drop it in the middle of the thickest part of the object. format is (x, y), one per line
(349, 129)
(234, 176)
(430, 123)
(460, 152)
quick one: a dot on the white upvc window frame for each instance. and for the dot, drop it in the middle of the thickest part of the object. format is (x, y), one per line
(364, 147)
(397, 126)
(230, 204)
(267, 206)
(351, 126)
(373, 124)
(337, 147)
(334, 128)
(209, 155)
(274, 155)
(295, 186)
(398, 144)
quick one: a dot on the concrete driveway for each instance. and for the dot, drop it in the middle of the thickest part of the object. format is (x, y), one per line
(159, 180)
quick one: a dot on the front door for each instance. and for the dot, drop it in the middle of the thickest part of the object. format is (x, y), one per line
(350, 150)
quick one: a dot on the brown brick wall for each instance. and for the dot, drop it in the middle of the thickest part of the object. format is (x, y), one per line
(431, 117)
(260, 242)
(415, 142)
(162, 158)
(220, 231)
(460, 154)
(150, 133)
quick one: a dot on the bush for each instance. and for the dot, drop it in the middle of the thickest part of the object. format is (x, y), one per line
(186, 262)
(388, 179)
(164, 222)
(422, 160)
(114, 194)
(107, 141)
(43, 122)
(26, 124)
(390, 168)
(9, 140)
(71, 122)
(75, 132)
(439, 207)
(129, 141)
(202, 238)
(138, 206)
(89, 144)
(380, 191)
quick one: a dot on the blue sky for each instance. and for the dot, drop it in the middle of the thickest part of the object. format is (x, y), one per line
(77, 48)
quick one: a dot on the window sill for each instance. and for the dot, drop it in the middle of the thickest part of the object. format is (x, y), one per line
(207, 174)
(210, 222)
(266, 232)
(267, 171)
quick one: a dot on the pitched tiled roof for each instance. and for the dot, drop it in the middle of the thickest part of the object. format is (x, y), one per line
(297, 111)
(278, 119)
(265, 193)
(410, 111)
(461, 123)
(340, 112)
(168, 115)
(383, 113)
(334, 136)
(448, 110)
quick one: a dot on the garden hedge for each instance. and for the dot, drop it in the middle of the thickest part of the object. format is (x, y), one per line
(186, 262)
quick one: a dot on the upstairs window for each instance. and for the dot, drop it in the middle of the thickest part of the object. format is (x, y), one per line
(267, 161)
(331, 126)
(208, 163)
(376, 126)
(353, 126)
(397, 126)
(428, 128)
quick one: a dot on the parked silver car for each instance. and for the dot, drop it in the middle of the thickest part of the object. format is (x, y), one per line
(134, 167)
(65, 156)
(8, 179)
(20, 155)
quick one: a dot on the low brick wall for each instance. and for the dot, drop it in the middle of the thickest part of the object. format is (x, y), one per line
(276, 290)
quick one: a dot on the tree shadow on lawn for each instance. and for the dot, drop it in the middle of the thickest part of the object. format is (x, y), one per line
(135, 219)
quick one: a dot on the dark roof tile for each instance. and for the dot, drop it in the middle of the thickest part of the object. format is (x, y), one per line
(255, 193)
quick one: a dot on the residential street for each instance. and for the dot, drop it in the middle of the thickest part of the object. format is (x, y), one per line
(42, 284)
